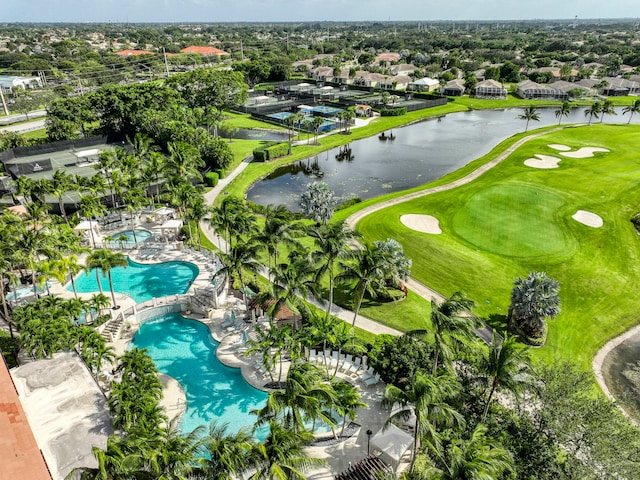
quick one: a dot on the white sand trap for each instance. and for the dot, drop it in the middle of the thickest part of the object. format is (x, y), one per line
(559, 147)
(543, 161)
(421, 223)
(587, 218)
(584, 152)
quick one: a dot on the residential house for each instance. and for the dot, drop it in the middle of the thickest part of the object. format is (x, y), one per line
(400, 82)
(490, 89)
(207, 50)
(424, 84)
(453, 88)
(618, 87)
(531, 90)
(9, 82)
(402, 69)
(322, 74)
(387, 58)
(368, 79)
(570, 87)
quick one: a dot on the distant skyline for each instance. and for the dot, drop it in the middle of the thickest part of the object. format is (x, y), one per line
(212, 11)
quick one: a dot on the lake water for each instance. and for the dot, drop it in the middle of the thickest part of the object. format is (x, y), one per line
(417, 154)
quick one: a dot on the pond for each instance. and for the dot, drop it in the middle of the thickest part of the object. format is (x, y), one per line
(621, 373)
(405, 157)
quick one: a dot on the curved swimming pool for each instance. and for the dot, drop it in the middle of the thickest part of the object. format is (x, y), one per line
(128, 238)
(185, 350)
(142, 282)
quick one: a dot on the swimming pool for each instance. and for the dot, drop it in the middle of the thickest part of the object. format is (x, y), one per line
(142, 282)
(185, 350)
(141, 236)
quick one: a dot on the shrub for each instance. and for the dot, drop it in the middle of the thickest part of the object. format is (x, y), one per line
(271, 151)
(211, 179)
(348, 203)
(393, 112)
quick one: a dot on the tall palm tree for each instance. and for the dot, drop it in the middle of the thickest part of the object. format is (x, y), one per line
(607, 109)
(594, 111)
(292, 283)
(241, 258)
(228, 455)
(533, 300)
(563, 111)
(632, 109)
(279, 229)
(450, 326)
(184, 161)
(506, 365)
(306, 396)
(66, 267)
(106, 260)
(282, 455)
(530, 113)
(348, 401)
(426, 397)
(134, 199)
(332, 243)
(33, 246)
(61, 183)
(373, 267)
(477, 458)
(151, 173)
(91, 207)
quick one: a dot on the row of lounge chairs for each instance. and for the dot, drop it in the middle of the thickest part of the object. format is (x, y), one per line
(345, 364)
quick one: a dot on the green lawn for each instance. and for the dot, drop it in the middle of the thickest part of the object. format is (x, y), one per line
(515, 219)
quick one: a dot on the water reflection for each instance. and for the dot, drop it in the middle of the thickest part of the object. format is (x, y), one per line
(621, 373)
(405, 157)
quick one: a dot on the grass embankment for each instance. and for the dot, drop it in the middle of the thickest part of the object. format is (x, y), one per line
(515, 219)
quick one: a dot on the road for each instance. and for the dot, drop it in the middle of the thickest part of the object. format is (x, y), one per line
(24, 127)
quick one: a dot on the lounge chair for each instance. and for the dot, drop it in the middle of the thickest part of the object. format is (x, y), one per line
(333, 362)
(346, 365)
(368, 374)
(313, 356)
(373, 380)
(355, 366)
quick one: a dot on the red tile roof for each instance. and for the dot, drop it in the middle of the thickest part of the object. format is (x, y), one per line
(203, 50)
(130, 53)
(21, 457)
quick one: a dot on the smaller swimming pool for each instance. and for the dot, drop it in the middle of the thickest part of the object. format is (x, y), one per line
(127, 238)
(142, 282)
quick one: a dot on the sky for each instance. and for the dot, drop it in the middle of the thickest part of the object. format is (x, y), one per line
(211, 11)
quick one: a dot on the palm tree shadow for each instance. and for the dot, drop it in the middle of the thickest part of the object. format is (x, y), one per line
(498, 322)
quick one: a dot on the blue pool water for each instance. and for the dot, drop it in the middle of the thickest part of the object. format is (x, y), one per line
(141, 237)
(185, 350)
(142, 282)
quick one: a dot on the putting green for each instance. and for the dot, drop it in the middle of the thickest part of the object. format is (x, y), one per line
(513, 220)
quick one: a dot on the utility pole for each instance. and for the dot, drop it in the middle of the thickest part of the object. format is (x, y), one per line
(241, 51)
(4, 103)
(166, 64)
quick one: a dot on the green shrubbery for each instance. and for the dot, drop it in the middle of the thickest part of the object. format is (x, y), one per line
(211, 179)
(348, 203)
(393, 112)
(269, 152)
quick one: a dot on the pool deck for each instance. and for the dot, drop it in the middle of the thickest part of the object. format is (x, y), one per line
(339, 455)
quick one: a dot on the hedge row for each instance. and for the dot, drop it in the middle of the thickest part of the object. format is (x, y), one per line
(264, 154)
(393, 112)
(211, 179)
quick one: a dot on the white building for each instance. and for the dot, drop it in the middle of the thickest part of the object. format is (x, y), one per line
(7, 83)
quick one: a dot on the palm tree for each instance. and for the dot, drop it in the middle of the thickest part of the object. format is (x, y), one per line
(450, 326)
(282, 456)
(134, 199)
(64, 267)
(533, 300)
(332, 243)
(316, 123)
(184, 161)
(478, 458)
(61, 183)
(242, 257)
(506, 365)
(91, 207)
(347, 401)
(427, 398)
(228, 455)
(279, 229)
(292, 282)
(106, 260)
(593, 111)
(563, 111)
(317, 202)
(222, 217)
(34, 244)
(171, 455)
(530, 113)
(632, 109)
(373, 267)
(607, 109)
(24, 186)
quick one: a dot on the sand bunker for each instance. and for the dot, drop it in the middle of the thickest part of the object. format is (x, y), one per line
(584, 152)
(587, 218)
(421, 223)
(559, 147)
(543, 161)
